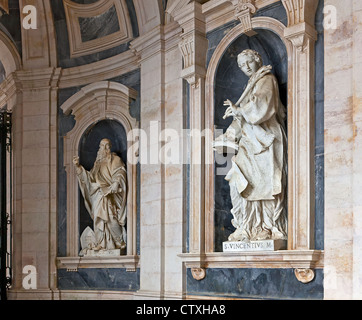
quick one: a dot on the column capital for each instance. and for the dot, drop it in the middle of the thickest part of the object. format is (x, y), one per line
(191, 18)
(299, 11)
(193, 44)
(38, 78)
(149, 43)
(301, 21)
(300, 35)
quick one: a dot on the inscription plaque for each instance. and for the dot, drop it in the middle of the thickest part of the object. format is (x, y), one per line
(265, 245)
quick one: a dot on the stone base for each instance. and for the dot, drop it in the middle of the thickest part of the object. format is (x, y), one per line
(252, 246)
(103, 253)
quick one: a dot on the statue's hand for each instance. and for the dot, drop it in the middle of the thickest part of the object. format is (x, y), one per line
(231, 110)
(76, 161)
(114, 187)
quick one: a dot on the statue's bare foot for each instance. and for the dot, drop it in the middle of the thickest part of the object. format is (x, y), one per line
(263, 235)
(98, 248)
(277, 235)
(121, 245)
(238, 235)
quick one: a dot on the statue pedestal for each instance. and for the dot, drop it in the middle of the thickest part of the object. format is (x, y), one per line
(103, 253)
(252, 246)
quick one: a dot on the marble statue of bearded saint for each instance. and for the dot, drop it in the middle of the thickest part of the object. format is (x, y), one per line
(104, 190)
(257, 177)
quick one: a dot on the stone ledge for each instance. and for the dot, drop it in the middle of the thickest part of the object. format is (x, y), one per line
(72, 264)
(294, 259)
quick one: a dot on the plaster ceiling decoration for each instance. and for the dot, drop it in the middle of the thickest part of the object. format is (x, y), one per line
(97, 26)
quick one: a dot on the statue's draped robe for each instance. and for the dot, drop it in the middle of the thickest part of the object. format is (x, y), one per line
(107, 210)
(257, 178)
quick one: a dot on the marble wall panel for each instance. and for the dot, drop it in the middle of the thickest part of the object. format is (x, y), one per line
(255, 284)
(98, 279)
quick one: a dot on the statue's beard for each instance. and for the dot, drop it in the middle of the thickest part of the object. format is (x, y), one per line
(103, 155)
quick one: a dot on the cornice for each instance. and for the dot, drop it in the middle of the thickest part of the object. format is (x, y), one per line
(99, 71)
(37, 78)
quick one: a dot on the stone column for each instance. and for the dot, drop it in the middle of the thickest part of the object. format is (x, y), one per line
(194, 47)
(161, 203)
(35, 157)
(150, 49)
(173, 155)
(302, 34)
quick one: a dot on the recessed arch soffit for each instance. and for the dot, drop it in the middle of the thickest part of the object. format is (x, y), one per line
(97, 26)
(105, 24)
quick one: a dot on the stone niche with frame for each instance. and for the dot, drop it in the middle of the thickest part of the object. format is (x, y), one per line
(94, 104)
(298, 41)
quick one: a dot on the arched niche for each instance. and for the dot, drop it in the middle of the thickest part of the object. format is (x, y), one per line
(104, 129)
(94, 105)
(230, 82)
(224, 80)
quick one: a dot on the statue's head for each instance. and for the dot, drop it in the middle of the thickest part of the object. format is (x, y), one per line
(104, 149)
(250, 62)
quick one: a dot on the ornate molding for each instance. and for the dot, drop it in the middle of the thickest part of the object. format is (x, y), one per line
(149, 14)
(291, 259)
(149, 44)
(304, 275)
(9, 55)
(72, 264)
(187, 48)
(218, 13)
(99, 71)
(193, 44)
(74, 12)
(244, 9)
(8, 90)
(301, 17)
(300, 35)
(299, 11)
(192, 71)
(45, 78)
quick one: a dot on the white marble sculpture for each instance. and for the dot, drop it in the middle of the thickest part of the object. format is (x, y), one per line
(257, 178)
(104, 190)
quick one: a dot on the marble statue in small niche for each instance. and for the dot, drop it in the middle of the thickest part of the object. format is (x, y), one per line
(257, 177)
(104, 190)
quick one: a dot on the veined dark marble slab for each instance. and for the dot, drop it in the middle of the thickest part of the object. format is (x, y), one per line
(99, 279)
(92, 28)
(275, 284)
